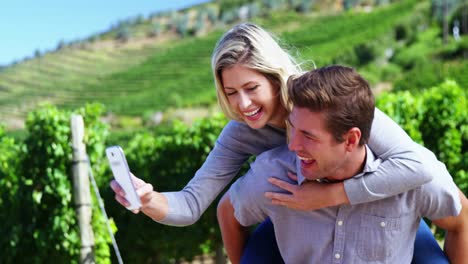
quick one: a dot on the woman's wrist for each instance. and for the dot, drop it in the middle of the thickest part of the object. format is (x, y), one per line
(157, 208)
(338, 193)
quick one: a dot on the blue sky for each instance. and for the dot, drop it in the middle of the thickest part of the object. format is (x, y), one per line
(29, 25)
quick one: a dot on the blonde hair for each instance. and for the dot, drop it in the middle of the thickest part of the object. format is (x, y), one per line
(251, 46)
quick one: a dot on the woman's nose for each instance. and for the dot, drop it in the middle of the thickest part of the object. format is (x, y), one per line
(244, 101)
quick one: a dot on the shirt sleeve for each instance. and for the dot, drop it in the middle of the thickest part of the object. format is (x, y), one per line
(247, 193)
(440, 197)
(247, 208)
(403, 167)
(236, 143)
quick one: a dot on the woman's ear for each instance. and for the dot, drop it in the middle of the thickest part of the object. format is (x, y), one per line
(352, 138)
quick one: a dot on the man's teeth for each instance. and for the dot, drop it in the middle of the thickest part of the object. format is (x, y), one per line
(251, 113)
(305, 159)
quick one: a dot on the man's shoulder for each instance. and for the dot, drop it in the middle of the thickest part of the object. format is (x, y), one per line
(279, 158)
(276, 163)
(439, 197)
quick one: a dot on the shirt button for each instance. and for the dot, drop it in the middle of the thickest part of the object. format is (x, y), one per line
(383, 224)
(337, 256)
(340, 223)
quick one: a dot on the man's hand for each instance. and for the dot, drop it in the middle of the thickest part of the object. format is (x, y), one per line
(308, 195)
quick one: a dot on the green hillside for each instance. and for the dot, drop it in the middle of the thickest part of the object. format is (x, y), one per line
(149, 74)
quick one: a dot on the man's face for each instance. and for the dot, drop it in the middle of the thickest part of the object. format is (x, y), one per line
(320, 154)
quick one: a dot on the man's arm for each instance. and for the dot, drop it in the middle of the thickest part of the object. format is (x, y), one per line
(456, 240)
(234, 234)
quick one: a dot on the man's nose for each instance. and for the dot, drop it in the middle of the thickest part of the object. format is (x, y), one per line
(294, 141)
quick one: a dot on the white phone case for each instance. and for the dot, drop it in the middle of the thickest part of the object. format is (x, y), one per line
(121, 172)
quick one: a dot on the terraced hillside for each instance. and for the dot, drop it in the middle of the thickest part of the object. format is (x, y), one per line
(137, 78)
(57, 77)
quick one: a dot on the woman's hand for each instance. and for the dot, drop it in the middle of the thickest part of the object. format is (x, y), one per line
(153, 204)
(310, 195)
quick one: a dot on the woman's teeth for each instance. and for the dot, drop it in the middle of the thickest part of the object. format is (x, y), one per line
(252, 113)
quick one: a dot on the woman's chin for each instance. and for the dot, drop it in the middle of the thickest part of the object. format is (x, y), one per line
(256, 121)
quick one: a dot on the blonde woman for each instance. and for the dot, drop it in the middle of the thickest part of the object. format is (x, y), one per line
(250, 71)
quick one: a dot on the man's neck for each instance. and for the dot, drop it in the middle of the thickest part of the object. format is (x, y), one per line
(354, 165)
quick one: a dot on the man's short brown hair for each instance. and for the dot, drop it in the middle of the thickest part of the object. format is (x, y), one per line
(339, 92)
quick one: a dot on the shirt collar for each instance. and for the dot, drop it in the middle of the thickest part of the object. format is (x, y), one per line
(371, 165)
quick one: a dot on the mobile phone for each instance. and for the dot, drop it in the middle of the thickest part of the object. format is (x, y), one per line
(122, 175)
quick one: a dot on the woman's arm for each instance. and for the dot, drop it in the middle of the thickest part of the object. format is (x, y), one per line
(402, 169)
(235, 144)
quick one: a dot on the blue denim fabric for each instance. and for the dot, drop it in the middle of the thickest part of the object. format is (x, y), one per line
(426, 249)
(262, 248)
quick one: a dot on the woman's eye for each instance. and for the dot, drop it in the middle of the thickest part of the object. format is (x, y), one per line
(230, 93)
(253, 88)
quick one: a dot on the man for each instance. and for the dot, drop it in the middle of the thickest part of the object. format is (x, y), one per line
(329, 127)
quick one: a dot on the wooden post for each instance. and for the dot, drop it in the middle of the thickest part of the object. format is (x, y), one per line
(81, 190)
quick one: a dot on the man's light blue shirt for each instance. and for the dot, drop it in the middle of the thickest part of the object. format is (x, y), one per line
(382, 231)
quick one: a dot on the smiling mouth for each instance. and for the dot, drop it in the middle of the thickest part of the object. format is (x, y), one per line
(306, 161)
(252, 113)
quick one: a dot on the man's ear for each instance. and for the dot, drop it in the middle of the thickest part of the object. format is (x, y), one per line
(352, 138)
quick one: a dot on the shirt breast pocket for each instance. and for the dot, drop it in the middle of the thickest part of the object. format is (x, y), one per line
(377, 237)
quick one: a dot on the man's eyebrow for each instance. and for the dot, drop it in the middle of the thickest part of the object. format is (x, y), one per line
(307, 133)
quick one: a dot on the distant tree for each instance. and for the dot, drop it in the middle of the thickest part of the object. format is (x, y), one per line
(460, 14)
(212, 15)
(464, 26)
(155, 29)
(441, 11)
(138, 20)
(123, 34)
(275, 4)
(304, 6)
(348, 4)
(228, 5)
(200, 22)
(254, 10)
(93, 38)
(60, 45)
(382, 2)
(230, 16)
(181, 23)
(37, 53)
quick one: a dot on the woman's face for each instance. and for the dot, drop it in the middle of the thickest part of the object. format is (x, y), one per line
(253, 97)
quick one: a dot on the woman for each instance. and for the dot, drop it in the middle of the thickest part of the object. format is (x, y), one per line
(250, 71)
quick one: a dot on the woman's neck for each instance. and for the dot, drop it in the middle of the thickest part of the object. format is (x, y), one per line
(280, 121)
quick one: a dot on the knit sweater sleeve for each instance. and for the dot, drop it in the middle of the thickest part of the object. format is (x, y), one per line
(236, 143)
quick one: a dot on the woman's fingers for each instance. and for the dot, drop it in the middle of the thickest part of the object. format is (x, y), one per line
(116, 188)
(282, 184)
(292, 176)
